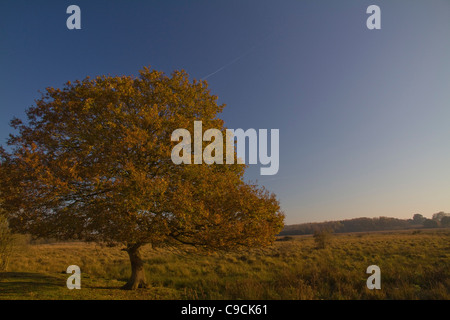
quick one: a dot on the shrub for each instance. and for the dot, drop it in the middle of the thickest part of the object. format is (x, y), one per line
(322, 238)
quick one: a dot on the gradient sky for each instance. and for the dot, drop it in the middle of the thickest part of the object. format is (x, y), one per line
(364, 115)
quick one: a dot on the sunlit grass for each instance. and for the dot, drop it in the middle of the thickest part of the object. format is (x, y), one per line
(413, 266)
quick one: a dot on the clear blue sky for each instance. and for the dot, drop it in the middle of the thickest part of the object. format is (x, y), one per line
(364, 116)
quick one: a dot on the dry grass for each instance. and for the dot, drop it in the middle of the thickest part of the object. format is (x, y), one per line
(413, 266)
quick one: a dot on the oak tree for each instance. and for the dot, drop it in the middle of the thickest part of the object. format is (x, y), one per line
(93, 162)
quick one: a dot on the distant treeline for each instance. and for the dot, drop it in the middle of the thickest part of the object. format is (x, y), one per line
(440, 219)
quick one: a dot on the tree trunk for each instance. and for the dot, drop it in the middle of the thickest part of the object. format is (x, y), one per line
(137, 279)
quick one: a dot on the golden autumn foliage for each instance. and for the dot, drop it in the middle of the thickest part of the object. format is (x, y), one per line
(93, 162)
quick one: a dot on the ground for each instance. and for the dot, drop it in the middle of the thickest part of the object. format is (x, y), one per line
(414, 265)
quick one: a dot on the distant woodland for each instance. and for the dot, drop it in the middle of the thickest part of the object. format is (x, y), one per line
(440, 219)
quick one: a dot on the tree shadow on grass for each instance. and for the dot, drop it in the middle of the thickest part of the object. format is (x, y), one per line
(25, 285)
(19, 283)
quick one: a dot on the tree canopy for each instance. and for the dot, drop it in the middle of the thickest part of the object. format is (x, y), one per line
(93, 162)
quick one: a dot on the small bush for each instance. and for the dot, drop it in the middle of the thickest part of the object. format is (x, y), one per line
(322, 238)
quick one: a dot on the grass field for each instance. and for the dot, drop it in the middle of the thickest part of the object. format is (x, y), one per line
(414, 265)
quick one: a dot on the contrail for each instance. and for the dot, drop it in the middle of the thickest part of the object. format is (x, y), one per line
(239, 57)
(228, 64)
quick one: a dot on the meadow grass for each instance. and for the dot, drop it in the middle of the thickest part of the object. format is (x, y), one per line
(414, 265)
